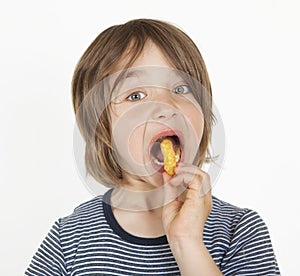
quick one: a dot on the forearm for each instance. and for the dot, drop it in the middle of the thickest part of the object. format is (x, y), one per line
(194, 259)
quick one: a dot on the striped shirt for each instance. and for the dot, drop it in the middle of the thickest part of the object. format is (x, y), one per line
(91, 242)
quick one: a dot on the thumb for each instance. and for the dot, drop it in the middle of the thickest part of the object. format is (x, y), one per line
(170, 192)
(166, 177)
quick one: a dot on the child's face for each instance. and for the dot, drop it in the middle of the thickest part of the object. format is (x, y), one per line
(152, 102)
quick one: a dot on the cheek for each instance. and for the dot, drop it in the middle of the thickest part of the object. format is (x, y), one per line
(198, 124)
(137, 145)
(195, 118)
(129, 129)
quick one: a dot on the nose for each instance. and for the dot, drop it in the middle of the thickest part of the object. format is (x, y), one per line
(164, 111)
(165, 114)
(164, 107)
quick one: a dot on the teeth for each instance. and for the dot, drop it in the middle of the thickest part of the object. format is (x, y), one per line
(161, 163)
(157, 162)
(177, 155)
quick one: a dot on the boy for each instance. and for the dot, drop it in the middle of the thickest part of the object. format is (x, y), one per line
(137, 86)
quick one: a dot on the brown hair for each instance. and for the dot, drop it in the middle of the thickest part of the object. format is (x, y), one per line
(100, 60)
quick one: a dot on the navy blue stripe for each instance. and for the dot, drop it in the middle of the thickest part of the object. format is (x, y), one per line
(91, 242)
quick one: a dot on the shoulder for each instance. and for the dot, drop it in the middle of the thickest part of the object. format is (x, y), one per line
(236, 220)
(227, 223)
(232, 214)
(90, 206)
(64, 237)
(239, 241)
(245, 226)
(83, 216)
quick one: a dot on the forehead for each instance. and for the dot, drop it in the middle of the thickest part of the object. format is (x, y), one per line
(150, 67)
(151, 55)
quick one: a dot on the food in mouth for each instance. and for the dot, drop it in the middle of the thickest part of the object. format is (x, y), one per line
(169, 156)
(166, 152)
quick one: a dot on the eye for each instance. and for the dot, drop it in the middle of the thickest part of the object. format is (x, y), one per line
(181, 89)
(136, 96)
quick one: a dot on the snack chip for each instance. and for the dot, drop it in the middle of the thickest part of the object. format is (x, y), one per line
(169, 155)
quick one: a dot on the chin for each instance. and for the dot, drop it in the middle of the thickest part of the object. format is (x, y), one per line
(155, 180)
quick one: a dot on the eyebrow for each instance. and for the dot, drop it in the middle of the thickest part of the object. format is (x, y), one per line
(126, 75)
(134, 73)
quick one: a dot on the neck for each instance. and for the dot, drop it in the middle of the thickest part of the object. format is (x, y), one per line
(137, 201)
(138, 212)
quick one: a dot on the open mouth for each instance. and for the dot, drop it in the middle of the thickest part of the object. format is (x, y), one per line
(156, 154)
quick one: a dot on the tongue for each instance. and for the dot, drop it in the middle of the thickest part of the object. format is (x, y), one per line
(159, 156)
(156, 152)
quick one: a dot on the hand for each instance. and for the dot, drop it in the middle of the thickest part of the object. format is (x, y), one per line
(184, 215)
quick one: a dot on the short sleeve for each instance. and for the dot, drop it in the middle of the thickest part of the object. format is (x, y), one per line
(49, 259)
(250, 251)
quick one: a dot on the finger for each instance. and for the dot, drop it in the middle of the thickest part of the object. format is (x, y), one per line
(197, 181)
(196, 200)
(205, 178)
(166, 177)
(187, 168)
(170, 191)
(182, 179)
(201, 185)
(180, 183)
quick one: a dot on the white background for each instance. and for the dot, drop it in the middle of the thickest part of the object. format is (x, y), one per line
(251, 49)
